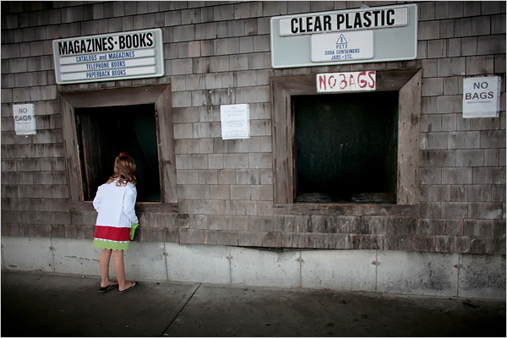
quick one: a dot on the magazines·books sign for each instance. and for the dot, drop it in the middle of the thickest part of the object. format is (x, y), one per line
(118, 56)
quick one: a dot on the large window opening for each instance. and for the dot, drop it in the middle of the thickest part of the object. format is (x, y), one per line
(345, 147)
(104, 132)
(347, 151)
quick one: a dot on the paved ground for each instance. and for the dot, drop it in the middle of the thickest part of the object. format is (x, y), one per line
(36, 304)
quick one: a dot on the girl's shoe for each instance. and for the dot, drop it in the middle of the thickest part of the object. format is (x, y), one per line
(108, 288)
(130, 288)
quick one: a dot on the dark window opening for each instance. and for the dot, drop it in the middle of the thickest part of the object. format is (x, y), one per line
(105, 132)
(346, 147)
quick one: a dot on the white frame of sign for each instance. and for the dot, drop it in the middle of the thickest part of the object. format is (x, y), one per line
(109, 57)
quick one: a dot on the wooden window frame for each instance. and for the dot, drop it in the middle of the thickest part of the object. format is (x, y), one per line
(407, 82)
(160, 96)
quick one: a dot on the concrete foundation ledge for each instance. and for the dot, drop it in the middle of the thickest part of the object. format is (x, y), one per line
(393, 272)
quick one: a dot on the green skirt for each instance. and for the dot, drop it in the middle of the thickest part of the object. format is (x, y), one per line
(111, 245)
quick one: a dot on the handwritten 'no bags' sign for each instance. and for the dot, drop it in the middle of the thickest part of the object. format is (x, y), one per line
(346, 82)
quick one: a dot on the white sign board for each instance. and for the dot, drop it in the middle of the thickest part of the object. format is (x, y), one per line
(235, 121)
(481, 97)
(347, 82)
(118, 56)
(24, 119)
(342, 46)
(299, 40)
(381, 17)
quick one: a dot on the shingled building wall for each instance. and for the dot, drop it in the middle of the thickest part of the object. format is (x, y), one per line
(219, 53)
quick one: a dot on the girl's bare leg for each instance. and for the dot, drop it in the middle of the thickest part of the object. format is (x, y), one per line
(119, 267)
(105, 257)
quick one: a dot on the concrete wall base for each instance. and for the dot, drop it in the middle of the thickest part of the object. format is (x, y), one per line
(394, 272)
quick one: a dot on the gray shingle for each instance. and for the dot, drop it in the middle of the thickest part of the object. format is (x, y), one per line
(183, 33)
(456, 9)
(492, 44)
(242, 11)
(498, 24)
(451, 66)
(446, 29)
(273, 8)
(219, 64)
(142, 7)
(479, 65)
(432, 87)
(472, 8)
(469, 46)
(463, 27)
(227, 46)
(426, 11)
(441, 9)
(72, 14)
(492, 7)
(436, 49)
(428, 30)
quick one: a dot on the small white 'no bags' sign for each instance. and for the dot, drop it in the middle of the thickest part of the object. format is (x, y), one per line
(481, 97)
(235, 121)
(24, 119)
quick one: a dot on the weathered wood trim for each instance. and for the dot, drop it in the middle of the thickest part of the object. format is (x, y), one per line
(71, 149)
(282, 164)
(409, 129)
(394, 80)
(114, 97)
(160, 96)
(165, 141)
(408, 82)
(159, 208)
(305, 209)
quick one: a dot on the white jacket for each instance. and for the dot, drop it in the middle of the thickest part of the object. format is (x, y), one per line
(115, 205)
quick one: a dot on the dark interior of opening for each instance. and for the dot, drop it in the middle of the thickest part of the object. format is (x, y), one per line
(105, 132)
(346, 147)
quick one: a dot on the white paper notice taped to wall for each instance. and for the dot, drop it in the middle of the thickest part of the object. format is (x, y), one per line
(481, 97)
(235, 121)
(24, 119)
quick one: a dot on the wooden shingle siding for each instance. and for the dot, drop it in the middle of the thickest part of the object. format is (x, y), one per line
(451, 193)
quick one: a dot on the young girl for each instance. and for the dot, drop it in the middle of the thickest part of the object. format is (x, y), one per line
(114, 202)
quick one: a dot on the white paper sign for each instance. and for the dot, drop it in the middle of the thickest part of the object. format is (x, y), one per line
(24, 119)
(342, 46)
(235, 121)
(481, 97)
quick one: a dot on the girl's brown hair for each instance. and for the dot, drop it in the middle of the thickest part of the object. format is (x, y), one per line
(124, 170)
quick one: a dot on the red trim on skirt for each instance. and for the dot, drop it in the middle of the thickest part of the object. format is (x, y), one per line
(112, 233)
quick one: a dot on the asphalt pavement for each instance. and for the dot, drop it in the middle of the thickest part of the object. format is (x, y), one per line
(41, 304)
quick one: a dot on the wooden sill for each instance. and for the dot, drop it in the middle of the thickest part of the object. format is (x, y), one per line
(142, 207)
(345, 209)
